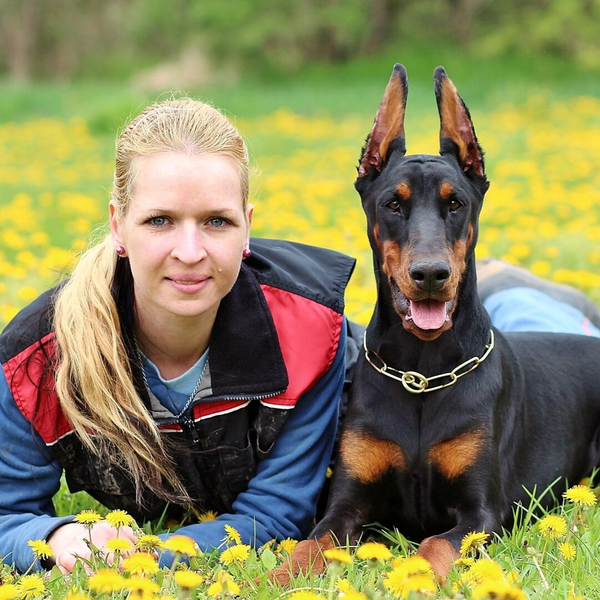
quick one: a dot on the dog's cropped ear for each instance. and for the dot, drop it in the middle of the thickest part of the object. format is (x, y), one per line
(457, 134)
(388, 125)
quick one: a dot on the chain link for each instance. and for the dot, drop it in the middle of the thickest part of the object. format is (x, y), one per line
(415, 382)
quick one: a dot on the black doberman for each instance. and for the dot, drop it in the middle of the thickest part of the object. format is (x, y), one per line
(449, 421)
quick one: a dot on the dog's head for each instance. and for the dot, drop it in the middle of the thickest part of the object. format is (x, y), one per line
(422, 210)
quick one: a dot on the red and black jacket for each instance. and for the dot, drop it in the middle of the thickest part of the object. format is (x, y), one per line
(275, 335)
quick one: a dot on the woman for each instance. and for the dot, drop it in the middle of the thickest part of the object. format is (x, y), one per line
(179, 366)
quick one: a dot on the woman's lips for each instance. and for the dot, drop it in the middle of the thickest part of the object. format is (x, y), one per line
(188, 286)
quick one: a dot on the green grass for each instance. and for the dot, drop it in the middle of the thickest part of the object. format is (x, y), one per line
(352, 87)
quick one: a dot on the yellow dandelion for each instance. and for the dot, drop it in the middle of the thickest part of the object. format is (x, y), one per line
(188, 579)
(8, 591)
(373, 551)
(472, 542)
(142, 586)
(412, 565)
(513, 576)
(224, 583)
(233, 535)
(347, 592)
(40, 548)
(421, 584)
(486, 569)
(149, 543)
(238, 553)
(287, 545)
(118, 545)
(119, 518)
(463, 562)
(552, 526)
(141, 563)
(77, 596)
(88, 517)
(30, 586)
(209, 515)
(338, 555)
(394, 582)
(501, 590)
(181, 544)
(268, 546)
(567, 551)
(581, 495)
(305, 595)
(106, 580)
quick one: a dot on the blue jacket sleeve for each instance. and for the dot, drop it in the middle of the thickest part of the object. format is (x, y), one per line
(281, 498)
(29, 477)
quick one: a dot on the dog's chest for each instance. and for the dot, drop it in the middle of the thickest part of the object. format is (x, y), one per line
(409, 452)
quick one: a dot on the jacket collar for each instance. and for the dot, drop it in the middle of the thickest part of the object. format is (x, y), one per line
(245, 356)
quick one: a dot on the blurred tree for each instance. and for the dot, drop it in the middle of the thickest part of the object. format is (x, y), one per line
(19, 28)
(67, 38)
(559, 28)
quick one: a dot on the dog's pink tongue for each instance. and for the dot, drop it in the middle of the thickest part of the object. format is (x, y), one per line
(428, 314)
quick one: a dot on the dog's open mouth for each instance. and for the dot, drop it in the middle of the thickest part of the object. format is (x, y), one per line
(427, 314)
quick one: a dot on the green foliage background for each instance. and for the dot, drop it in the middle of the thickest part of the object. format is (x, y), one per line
(65, 39)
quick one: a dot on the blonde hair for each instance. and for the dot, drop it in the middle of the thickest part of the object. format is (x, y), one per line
(94, 378)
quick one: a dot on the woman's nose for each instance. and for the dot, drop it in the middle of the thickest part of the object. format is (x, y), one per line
(189, 245)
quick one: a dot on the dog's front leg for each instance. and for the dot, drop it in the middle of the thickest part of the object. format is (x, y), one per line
(343, 522)
(442, 550)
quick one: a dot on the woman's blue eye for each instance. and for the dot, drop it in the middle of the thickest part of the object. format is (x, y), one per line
(218, 222)
(158, 221)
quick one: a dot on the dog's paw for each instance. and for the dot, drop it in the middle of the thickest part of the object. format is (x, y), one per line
(440, 554)
(307, 558)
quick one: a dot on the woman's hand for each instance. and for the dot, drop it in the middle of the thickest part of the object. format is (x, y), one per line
(70, 542)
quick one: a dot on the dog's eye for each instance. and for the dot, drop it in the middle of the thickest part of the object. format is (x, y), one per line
(453, 205)
(393, 205)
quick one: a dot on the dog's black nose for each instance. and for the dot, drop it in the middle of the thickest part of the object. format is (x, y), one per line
(429, 275)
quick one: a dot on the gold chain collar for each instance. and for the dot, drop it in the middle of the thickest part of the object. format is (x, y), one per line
(416, 383)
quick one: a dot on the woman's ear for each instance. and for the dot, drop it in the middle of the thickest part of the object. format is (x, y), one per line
(115, 228)
(249, 213)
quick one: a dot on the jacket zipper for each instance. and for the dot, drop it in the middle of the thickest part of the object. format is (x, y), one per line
(188, 425)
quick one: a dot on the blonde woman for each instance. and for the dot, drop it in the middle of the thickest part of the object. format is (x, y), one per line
(181, 366)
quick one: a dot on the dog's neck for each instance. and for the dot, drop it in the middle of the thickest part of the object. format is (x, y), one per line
(402, 350)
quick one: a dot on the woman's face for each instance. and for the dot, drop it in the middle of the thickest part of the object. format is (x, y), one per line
(184, 233)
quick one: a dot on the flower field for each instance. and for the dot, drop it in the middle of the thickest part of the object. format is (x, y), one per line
(542, 212)
(551, 559)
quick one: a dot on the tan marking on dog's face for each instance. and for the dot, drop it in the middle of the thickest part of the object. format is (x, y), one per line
(403, 190)
(446, 190)
(368, 459)
(470, 235)
(395, 264)
(376, 237)
(453, 457)
(457, 264)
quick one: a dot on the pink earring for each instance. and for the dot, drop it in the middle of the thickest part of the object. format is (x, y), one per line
(247, 253)
(120, 250)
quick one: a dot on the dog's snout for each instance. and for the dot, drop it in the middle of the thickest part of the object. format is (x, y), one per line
(429, 275)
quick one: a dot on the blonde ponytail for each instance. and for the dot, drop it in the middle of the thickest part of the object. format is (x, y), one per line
(94, 381)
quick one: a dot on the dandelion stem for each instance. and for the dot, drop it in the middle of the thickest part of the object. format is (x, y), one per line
(541, 573)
